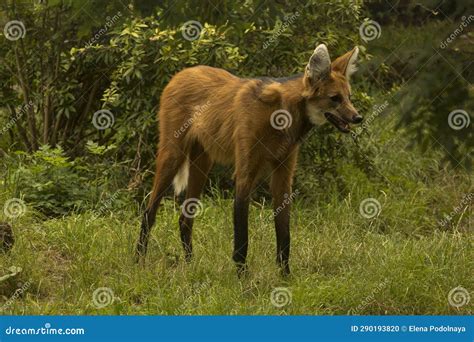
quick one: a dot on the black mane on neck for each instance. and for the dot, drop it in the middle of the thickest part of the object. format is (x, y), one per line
(266, 79)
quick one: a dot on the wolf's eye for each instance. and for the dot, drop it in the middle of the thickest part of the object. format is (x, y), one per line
(336, 98)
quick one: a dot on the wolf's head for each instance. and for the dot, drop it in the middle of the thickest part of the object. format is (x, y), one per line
(327, 90)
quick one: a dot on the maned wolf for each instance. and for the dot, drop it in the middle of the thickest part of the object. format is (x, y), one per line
(208, 116)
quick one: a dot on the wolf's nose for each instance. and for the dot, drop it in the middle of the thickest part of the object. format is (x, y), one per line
(357, 118)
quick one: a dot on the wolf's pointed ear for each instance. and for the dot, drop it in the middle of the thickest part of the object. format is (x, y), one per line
(346, 64)
(319, 66)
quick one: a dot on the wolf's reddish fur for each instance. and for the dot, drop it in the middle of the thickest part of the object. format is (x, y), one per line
(208, 115)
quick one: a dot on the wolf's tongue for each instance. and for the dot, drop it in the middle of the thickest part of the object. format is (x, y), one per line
(339, 123)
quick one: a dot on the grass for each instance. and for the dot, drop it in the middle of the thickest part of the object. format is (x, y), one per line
(401, 261)
(340, 262)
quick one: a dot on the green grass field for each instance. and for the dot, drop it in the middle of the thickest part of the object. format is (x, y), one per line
(402, 261)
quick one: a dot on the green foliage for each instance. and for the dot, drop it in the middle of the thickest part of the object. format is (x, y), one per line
(49, 181)
(88, 184)
(55, 185)
(400, 262)
(430, 70)
(72, 66)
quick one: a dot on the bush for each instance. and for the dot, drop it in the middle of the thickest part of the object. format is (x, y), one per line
(55, 185)
(49, 181)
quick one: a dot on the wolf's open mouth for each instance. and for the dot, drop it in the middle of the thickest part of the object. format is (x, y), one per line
(340, 123)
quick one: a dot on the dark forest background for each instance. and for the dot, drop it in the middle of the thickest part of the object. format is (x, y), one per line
(79, 57)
